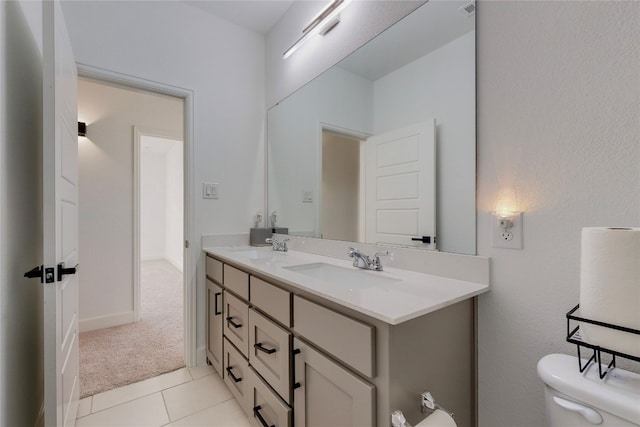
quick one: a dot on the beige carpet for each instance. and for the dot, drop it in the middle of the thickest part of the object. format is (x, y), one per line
(122, 355)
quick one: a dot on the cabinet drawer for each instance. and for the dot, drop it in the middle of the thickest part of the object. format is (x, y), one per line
(214, 325)
(236, 326)
(267, 408)
(271, 299)
(236, 371)
(236, 281)
(270, 353)
(214, 269)
(349, 340)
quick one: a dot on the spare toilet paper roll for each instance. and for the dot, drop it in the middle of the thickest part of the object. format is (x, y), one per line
(610, 286)
(438, 418)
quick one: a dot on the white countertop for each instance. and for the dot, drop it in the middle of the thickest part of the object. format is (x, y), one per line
(411, 295)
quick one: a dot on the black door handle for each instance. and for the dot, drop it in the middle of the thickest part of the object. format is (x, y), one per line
(423, 239)
(258, 346)
(63, 271)
(35, 273)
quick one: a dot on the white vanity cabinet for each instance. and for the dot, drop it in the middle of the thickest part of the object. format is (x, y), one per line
(296, 358)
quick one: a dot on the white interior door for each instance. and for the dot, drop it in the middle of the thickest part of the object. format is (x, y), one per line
(60, 216)
(400, 183)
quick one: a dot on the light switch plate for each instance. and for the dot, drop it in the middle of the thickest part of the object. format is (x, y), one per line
(210, 190)
(510, 238)
(307, 196)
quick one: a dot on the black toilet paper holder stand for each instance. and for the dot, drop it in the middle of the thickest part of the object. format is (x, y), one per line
(575, 337)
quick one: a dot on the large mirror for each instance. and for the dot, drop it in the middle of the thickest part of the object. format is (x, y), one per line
(381, 147)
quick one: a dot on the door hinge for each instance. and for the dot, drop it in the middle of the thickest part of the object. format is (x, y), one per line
(186, 244)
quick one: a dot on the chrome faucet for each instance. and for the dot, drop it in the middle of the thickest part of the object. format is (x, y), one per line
(361, 260)
(278, 245)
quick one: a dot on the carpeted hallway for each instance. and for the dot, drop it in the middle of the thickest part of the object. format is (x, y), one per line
(121, 355)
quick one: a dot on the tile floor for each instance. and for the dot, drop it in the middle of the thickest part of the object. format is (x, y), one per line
(185, 398)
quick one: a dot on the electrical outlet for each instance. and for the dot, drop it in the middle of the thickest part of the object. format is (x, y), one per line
(307, 196)
(506, 233)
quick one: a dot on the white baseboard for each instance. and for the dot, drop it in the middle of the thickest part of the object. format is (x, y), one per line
(175, 263)
(201, 356)
(152, 258)
(101, 322)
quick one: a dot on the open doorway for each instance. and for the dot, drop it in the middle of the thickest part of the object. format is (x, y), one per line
(131, 177)
(341, 186)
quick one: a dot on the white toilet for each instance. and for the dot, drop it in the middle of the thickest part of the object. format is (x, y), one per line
(583, 399)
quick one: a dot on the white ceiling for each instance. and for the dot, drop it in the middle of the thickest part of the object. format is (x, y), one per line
(256, 15)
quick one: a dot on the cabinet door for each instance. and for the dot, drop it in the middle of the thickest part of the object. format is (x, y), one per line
(270, 353)
(327, 394)
(214, 325)
(236, 322)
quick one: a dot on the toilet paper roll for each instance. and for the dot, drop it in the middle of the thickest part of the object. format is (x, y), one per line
(610, 286)
(438, 418)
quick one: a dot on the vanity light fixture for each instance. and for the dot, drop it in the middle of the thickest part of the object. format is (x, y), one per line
(328, 15)
(82, 129)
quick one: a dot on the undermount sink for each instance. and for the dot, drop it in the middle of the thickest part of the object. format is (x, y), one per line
(349, 277)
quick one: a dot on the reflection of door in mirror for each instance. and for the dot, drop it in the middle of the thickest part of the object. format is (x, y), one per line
(381, 190)
(400, 207)
(340, 197)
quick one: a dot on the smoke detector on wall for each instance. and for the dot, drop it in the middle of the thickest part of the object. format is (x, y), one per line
(468, 9)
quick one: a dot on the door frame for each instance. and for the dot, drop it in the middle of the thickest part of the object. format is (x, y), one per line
(189, 258)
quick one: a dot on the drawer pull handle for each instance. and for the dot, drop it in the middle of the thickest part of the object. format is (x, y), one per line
(296, 351)
(258, 346)
(215, 304)
(296, 385)
(232, 323)
(258, 415)
(233, 377)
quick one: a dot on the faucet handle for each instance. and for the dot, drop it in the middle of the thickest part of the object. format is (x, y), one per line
(353, 251)
(383, 253)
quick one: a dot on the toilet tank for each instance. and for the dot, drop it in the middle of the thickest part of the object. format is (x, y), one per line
(583, 399)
